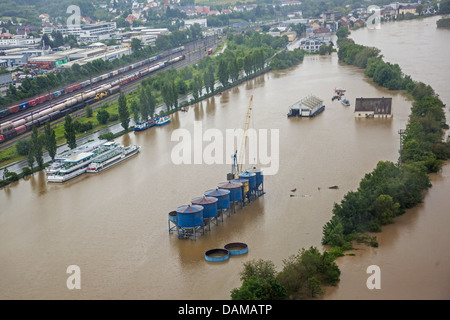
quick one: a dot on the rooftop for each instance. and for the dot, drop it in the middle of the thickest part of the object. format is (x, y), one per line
(377, 105)
(78, 157)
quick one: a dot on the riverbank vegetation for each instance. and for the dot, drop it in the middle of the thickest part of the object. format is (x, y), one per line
(390, 188)
(302, 277)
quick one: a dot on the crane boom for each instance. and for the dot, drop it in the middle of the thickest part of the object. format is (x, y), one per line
(239, 158)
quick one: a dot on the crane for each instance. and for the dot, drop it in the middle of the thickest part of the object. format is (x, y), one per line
(238, 158)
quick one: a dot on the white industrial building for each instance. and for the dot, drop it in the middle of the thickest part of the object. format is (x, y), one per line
(91, 32)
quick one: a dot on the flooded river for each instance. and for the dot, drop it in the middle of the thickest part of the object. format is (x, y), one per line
(114, 225)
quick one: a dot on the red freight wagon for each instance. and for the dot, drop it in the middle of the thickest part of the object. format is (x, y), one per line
(13, 109)
(41, 99)
(33, 102)
(20, 129)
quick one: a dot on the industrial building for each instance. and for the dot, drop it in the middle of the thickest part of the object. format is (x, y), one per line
(91, 32)
(16, 60)
(309, 106)
(111, 54)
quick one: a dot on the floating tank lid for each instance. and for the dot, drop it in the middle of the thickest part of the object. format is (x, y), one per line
(247, 174)
(217, 192)
(229, 185)
(189, 208)
(173, 213)
(204, 200)
(254, 170)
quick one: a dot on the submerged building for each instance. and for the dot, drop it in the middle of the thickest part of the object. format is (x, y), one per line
(373, 107)
(309, 106)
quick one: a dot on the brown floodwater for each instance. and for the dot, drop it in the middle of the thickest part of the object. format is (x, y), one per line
(413, 253)
(114, 225)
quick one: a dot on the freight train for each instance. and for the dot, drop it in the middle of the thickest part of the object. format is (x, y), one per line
(50, 96)
(25, 122)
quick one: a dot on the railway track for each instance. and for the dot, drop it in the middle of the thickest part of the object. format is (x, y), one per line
(192, 57)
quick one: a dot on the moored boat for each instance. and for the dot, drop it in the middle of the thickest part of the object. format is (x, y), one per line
(162, 121)
(58, 162)
(71, 167)
(141, 126)
(111, 158)
(77, 164)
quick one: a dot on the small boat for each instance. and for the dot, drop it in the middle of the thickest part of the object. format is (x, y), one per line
(339, 91)
(345, 102)
(141, 126)
(162, 121)
(336, 97)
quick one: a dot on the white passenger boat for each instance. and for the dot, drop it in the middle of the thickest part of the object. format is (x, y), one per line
(77, 164)
(59, 158)
(71, 167)
(111, 158)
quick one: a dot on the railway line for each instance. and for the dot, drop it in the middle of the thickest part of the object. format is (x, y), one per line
(23, 122)
(193, 54)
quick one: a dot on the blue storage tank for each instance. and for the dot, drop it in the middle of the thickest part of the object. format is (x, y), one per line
(259, 175)
(222, 195)
(251, 179)
(245, 185)
(209, 205)
(235, 189)
(190, 216)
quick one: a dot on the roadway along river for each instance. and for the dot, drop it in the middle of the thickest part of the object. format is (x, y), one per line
(114, 225)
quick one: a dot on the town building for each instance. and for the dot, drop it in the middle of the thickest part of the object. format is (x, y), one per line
(190, 22)
(312, 44)
(373, 107)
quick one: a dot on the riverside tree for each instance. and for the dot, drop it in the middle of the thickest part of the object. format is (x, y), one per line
(37, 147)
(69, 132)
(50, 141)
(259, 282)
(124, 113)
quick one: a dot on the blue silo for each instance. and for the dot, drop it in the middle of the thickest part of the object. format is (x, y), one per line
(190, 216)
(222, 195)
(235, 189)
(209, 205)
(251, 179)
